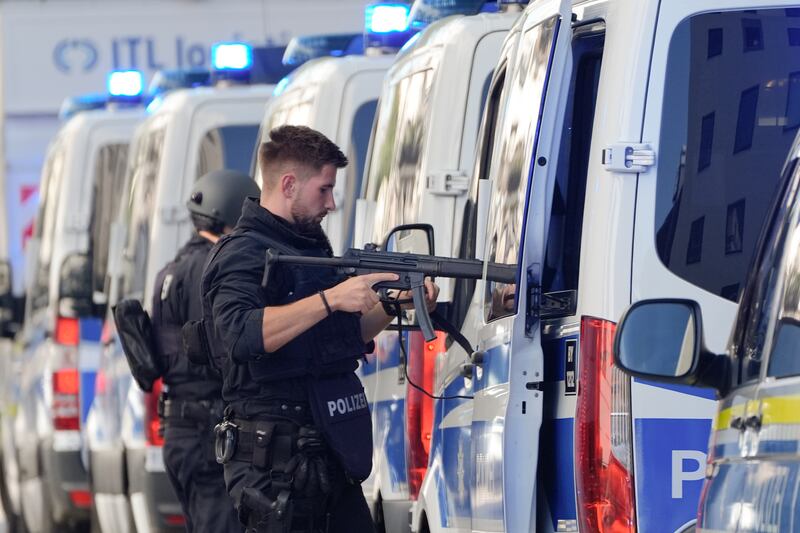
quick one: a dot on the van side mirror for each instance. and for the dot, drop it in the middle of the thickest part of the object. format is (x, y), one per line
(75, 286)
(12, 308)
(410, 238)
(662, 340)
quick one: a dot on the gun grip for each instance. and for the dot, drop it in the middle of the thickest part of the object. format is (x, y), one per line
(423, 318)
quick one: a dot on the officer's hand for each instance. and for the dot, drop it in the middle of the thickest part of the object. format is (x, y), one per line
(431, 294)
(356, 294)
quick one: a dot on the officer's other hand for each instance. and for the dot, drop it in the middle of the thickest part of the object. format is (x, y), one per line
(356, 294)
(431, 294)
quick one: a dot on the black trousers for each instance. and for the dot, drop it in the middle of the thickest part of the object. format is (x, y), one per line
(198, 481)
(346, 509)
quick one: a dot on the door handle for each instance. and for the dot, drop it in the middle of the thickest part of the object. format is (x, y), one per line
(753, 422)
(737, 422)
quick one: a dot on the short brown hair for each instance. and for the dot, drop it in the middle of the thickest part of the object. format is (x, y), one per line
(299, 145)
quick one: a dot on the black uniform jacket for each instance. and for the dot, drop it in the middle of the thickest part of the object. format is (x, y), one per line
(177, 300)
(233, 294)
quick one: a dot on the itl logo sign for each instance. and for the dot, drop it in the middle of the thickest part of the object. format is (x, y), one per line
(687, 465)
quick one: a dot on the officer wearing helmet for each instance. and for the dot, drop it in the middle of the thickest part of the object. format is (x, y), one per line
(192, 403)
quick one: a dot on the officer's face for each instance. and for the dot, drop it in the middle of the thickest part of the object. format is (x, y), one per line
(313, 197)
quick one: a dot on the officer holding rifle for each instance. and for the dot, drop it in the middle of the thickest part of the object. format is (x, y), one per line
(296, 442)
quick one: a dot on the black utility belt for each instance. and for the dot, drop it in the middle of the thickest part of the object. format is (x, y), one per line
(259, 442)
(198, 411)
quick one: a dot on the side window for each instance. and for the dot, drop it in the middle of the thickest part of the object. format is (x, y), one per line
(141, 197)
(731, 104)
(394, 178)
(357, 155)
(227, 147)
(509, 166)
(109, 176)
(52, 178)
(562, 256)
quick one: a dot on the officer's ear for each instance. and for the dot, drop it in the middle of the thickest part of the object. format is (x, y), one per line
(288, 183)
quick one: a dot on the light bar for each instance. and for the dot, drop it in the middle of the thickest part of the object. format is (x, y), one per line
(231, 56)
(125, 83)
(386, 18)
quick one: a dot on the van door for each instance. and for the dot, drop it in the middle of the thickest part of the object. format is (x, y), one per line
(721, 113)
(507, 412)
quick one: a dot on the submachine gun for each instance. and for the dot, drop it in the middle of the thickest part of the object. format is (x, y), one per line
(412, 270)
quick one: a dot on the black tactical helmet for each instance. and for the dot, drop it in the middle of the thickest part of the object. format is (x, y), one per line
(219, 195)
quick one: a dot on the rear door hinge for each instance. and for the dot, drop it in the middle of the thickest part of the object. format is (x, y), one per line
(447, 183)
(629, 157)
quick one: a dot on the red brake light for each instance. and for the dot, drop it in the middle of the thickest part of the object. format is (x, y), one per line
(152, 424)
(175, 520)
(66, 403)
(419, 407)
(81, 498)
(67, 331)
(604, 455)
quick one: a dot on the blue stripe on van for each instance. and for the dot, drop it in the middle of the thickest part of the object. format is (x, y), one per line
(557, 472)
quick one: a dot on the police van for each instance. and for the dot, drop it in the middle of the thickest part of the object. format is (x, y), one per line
(420, 161)
(603, 172)
(187, 133)
(338, 95)
(60, 340)
(752, 471)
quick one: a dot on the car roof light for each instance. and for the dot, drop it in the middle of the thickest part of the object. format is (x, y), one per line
(386, 18)
(125, 84)
(87, 102)
(425, 12)
(231, 56)
(281, 86)
(307, 47)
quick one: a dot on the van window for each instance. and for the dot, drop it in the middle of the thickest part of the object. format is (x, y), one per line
(394, 179)
(139, 211)
(227, 147)
(52, 178)
(563, 252)
(109, 177)
(730, 115)
(357, 155)
(509, 166)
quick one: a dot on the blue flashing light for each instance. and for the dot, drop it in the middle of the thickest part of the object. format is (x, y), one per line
(232, 57)
(125, 84)
(386, 18)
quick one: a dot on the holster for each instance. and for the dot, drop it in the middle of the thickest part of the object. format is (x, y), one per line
(195, 343)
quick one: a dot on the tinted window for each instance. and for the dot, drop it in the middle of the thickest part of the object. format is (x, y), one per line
(394, 175)
(52, 177)
(357, 155)
(510, 165)
(139, 211)
(228, 147)
(729, 109)
(109, 176)
(563, 251)
(770, 312)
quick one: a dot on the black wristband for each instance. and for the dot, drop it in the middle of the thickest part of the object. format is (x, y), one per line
(325, 302)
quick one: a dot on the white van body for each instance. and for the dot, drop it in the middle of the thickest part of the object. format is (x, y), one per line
(421, 157)
(337, 97)
(606, 183)
(50, 459)
(191, 133)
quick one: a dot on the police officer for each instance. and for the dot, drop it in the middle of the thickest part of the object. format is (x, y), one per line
(297, 439)
(192, 402)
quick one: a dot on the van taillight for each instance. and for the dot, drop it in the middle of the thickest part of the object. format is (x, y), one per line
(67, 331)
(152, 424)
(419, 407)
(66, 403)
(604, 452)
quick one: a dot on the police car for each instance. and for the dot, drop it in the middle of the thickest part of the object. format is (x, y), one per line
(187, 133)
(603, 173)
(421, 155)
(61, 336)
